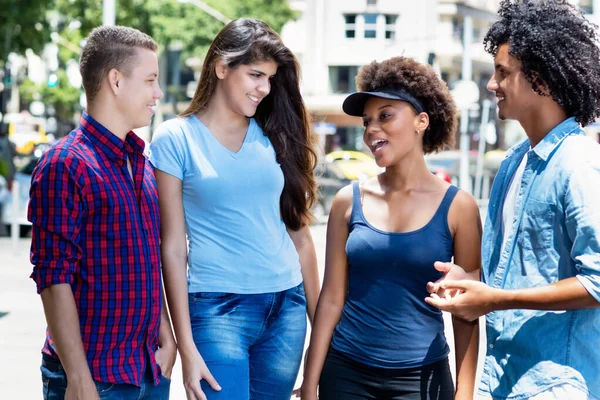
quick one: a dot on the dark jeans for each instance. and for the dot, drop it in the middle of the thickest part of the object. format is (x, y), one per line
(345, 379)
(54, 379)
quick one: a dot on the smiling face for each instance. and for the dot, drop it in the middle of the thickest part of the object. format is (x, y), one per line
(246, 85)
(392, 130)
(516, 98)
(139, 91)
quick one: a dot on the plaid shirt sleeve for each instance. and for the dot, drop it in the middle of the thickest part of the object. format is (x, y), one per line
(55, 211)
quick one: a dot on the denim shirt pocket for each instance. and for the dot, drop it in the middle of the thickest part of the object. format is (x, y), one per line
(537, 225)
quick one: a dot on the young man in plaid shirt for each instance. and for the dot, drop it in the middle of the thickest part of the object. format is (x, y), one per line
(95, 236)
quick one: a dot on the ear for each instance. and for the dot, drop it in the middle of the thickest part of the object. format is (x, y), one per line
(421, 122)
(114, 80)
(221, 69)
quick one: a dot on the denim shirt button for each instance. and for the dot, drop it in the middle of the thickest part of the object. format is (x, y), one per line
(491, 345)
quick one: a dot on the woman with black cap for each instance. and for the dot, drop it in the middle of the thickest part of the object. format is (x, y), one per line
(374, 337)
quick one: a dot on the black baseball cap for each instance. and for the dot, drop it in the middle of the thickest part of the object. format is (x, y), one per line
(355, 103)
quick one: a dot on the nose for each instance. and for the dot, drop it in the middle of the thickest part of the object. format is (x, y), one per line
(492, 84)
(372, 128)
(264, 88)
(158, 93)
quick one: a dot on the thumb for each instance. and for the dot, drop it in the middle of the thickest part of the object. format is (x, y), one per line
(444, 267)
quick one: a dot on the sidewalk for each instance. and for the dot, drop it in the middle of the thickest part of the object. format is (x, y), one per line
(22, 325)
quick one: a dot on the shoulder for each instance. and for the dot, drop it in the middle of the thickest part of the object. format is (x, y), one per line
(578, 151)
(173, 129)
(342, 202)
(463, 210)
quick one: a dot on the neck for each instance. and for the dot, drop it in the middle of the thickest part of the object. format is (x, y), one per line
(219, 116)
(539, 123)
(411, 173)
(111, 119)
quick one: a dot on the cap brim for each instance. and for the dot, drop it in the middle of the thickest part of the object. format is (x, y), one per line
(355, 103)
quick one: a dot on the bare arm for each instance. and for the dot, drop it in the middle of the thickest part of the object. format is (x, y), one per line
(333, 294)
(464, 216)
(174, 267)
(63, 323)
(308, 261)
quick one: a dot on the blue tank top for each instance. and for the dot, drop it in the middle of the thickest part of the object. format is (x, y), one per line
(386, 322)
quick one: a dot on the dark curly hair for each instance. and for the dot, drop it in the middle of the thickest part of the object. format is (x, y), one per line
(558, 50)
(424, 84)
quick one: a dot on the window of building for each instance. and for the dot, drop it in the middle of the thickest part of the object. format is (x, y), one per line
(370, 26)
(350, 25)
(342, 78)
(390, 26)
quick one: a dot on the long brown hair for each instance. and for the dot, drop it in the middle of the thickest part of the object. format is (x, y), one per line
(281, 115)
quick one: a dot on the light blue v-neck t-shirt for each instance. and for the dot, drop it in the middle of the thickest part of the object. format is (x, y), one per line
(238, 242)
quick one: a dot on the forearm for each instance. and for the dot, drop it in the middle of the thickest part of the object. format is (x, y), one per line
(165, 335)
(566, 294)
(310, 277)
(63, 322)
(466, 345)
(327, 317)
(174, 275)
(305, 248)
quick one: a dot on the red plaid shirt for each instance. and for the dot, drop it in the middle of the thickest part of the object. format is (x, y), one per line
(97, 229)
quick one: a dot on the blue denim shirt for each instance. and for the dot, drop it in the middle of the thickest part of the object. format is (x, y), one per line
(556, 235)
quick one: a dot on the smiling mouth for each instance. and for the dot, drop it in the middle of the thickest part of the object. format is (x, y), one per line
(152, 108)
(377, 145)
(254, 99)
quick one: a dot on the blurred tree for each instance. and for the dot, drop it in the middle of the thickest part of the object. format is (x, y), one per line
(63, 97)
(23, 25)
(169, 21)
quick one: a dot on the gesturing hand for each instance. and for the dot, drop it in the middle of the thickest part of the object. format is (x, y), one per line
(473, 299)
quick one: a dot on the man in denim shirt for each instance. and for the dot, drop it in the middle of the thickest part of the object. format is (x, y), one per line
(541, 244)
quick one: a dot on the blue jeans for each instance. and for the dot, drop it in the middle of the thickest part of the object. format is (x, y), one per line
(54, 381)
(252, 343)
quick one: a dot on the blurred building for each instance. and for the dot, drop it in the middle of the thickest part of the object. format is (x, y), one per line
(333, 38)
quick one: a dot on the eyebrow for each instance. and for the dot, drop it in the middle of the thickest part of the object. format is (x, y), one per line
(260, 72)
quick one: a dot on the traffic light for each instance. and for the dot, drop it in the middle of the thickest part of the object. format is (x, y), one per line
(52, 80)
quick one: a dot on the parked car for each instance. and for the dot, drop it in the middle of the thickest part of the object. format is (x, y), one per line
(354, 165)
(330, 180)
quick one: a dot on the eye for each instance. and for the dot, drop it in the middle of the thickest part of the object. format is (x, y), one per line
(384, 116)
(255, 75)
(365, 123)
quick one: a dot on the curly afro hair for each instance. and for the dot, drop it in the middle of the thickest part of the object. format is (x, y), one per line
(558, 50)
(423, 83)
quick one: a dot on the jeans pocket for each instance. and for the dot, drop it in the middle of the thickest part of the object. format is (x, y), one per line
(300, 289)
(104, 387)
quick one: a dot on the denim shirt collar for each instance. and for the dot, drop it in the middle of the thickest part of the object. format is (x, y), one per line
(554, 137)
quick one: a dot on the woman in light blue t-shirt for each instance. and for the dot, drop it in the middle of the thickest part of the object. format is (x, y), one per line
(235, 175)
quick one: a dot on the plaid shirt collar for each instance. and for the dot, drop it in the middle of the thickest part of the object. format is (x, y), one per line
(107, 141)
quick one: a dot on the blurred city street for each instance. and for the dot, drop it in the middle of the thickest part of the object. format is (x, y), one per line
(22, 323)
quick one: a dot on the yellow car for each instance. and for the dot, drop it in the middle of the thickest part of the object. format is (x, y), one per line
(355, 165)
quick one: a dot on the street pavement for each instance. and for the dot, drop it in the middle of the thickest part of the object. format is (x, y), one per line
(22, 324)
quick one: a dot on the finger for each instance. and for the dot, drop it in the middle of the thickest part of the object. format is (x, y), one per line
(444, 267)
(196, 390)
(462, 285)
(433, 287)
(190, 394)
(296, 392)
(207, 376)
(437, 302)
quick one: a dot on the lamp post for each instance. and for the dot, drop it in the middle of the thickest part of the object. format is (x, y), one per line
(108, 13)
